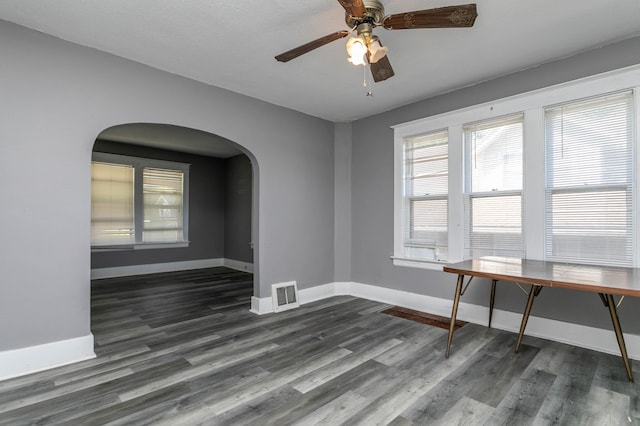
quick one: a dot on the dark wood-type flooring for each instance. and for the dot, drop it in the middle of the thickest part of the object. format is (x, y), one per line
(183, 349)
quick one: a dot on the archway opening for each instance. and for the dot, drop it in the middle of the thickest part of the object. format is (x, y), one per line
(190, 202)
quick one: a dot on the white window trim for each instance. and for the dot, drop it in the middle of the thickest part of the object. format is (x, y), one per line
(532, 105)
(139, 163)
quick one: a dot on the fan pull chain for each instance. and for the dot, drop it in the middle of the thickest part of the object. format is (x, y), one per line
(364, 75)
(364, 82)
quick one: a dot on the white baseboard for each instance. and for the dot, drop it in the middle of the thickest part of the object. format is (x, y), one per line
(261, 305)
(574, 334)
(18, 362)
(238, 265)
(152, 268)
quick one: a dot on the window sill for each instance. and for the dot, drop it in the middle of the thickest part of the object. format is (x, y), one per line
(417, 263)
(140, 246)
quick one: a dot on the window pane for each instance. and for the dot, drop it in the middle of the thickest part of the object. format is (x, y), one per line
(426, 187)
(163, 205)
(590, 227)
(495, 226)
(428, 219)
(495, 157)
(111, 204)
(427, 229)
(588, 143)
(426, 165)
(589, 181)
(493, 197)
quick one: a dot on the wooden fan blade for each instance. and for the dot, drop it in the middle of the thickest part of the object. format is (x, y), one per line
(354, 8)
(382, 70)
(463, 15)
(305, 48)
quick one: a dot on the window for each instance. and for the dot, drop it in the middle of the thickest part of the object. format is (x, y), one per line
(545, 175)
(425, 195)
(589, 178)
(493, 187)
(163, 191)
(112, 220)
(137, 202)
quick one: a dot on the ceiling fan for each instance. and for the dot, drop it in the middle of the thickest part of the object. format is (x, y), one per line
(362, 16)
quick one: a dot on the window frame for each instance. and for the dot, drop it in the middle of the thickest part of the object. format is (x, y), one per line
(469, 195)
(532, 105)
(139, 164)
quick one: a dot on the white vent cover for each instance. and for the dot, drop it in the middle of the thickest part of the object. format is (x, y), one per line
(285, 296)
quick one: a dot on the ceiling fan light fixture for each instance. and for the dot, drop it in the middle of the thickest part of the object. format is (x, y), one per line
(363, 16)
(357, 49)
(376, 50)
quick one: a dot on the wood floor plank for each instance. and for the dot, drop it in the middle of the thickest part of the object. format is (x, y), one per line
(314, 379)
(607, 375)
(61, 391)
(617, 412)
(389, 406)
(499, 378)
(360, 380)
(468, 412)
(191, 372)
(265, 406)
(143, 410)
(412, 345)
(521, 404)
(236, 396)
(335, 411)
(436, 403)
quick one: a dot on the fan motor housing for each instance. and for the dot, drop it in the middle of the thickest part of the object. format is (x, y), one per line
(374, 14)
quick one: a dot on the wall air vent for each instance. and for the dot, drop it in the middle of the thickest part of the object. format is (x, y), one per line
(285, 296)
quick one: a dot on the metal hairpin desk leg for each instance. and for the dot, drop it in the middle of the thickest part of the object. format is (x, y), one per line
(535, 290)
(454, 312)
(492, 300)
(608, 301)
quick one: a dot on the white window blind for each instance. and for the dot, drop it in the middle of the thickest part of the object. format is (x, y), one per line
(112, 212)
(589, 181)
(138, 203)
(425, 196)
(493, 187)
(163, 205)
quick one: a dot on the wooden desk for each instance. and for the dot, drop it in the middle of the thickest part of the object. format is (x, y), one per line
(606, 281)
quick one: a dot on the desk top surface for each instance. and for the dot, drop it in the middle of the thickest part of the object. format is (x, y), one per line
(592, 278)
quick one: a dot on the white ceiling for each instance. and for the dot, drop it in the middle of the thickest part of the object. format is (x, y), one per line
(232, 44)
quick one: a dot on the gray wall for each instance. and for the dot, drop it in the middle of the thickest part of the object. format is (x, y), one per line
(207, 235)
(372, 194)
(57, 98)
(342, 202)
(237, 217)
